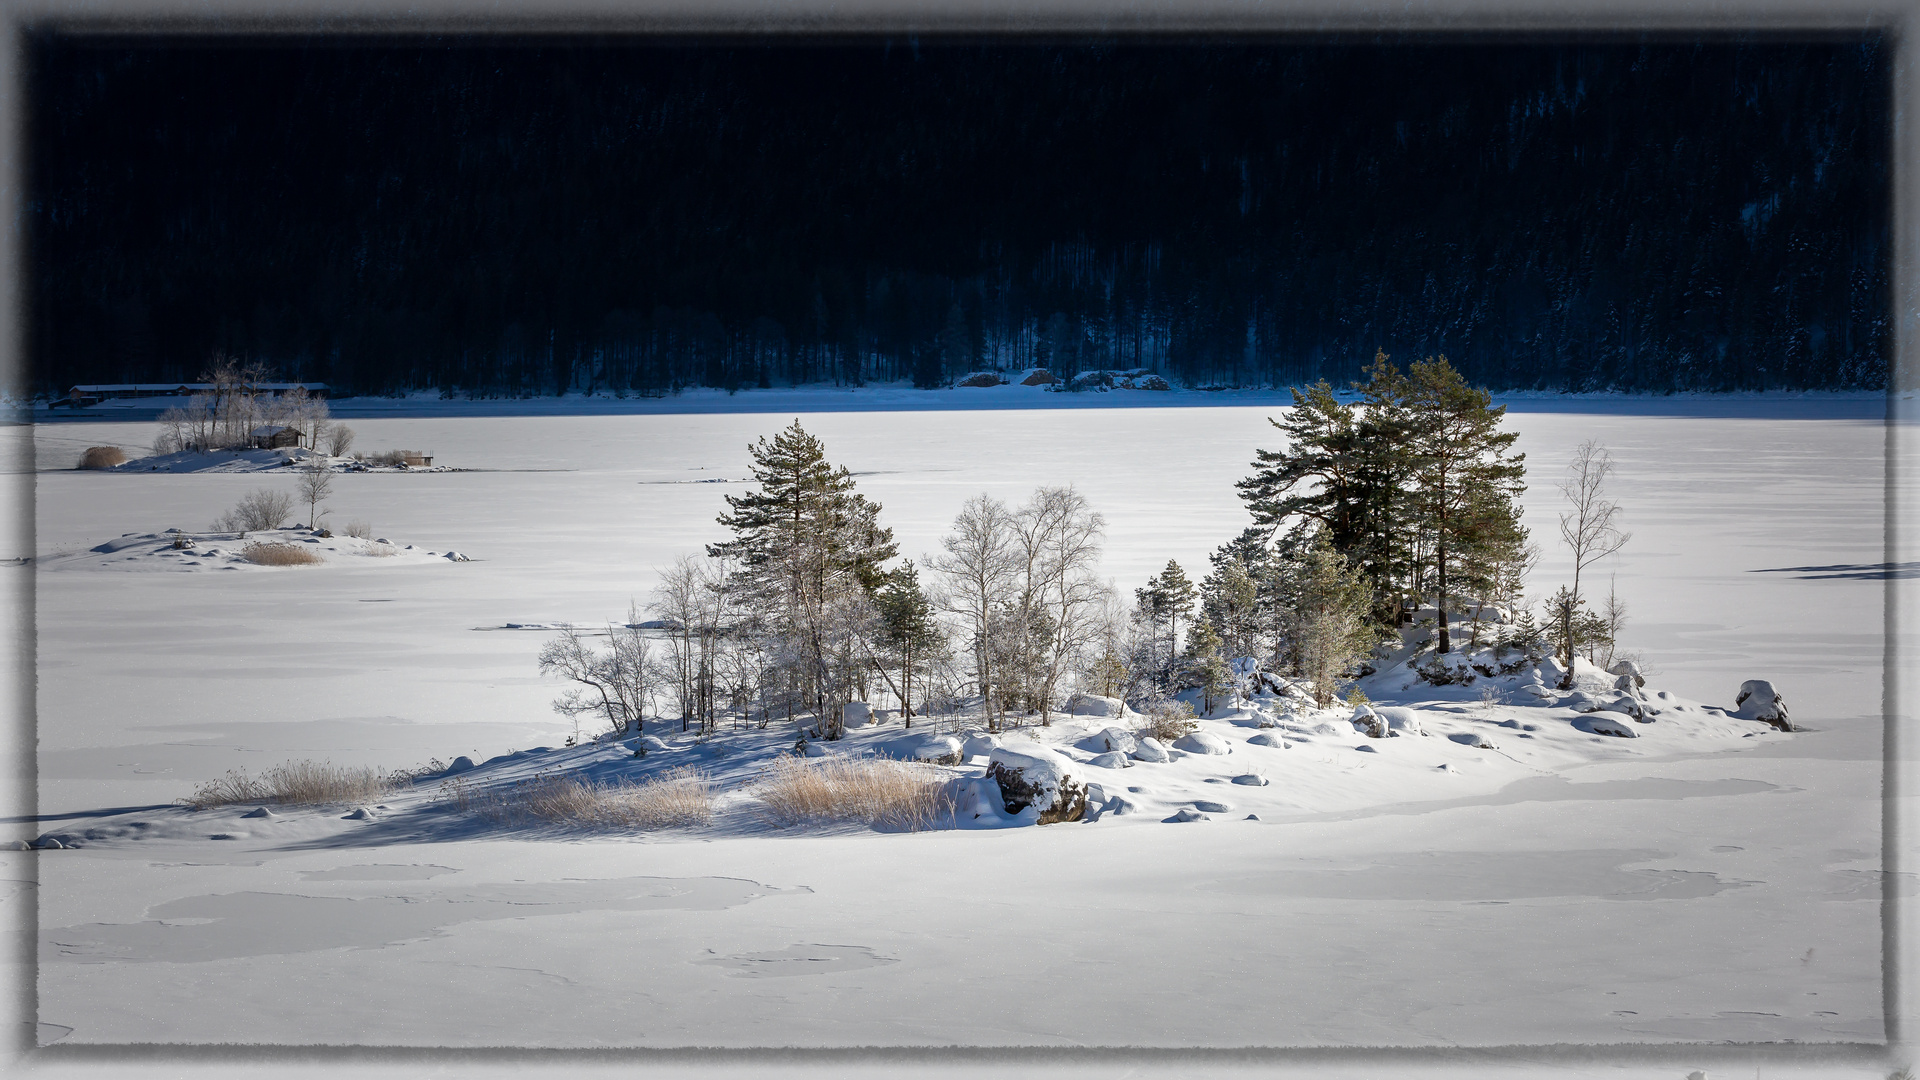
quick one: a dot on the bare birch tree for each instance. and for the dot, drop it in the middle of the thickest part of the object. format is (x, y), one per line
(979, 571)
(1589, 530)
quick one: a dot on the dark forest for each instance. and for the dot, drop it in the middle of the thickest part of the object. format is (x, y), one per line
(630, 216)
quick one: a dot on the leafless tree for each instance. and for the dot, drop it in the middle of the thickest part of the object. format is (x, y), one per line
(1589, 530)
(1059, 596)
(339, 440)
(697, 598)
(314, 485)
(979, 572)
(617, 683)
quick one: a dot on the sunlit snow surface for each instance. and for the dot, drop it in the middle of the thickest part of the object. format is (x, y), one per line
(1648, 893)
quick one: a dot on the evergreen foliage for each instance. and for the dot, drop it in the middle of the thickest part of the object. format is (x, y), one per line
(519, 218)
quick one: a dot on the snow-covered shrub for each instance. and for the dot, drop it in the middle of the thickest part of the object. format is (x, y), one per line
(102, 457)
(359, 530)
(1168, 720)
(279, 555)
(876, 791)
(256, 510)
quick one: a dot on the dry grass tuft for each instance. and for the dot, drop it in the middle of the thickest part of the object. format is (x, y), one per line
(298, 783)
(381, 551)
(676, 797)
(877, 791)
(102, 457)
(359, 529)
(279, 555)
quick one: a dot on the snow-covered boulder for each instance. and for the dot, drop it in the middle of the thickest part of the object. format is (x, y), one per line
(1268, 738)
(1202, 742)
(977, 744)
(937, 749)
(1400, 721)
(1475, 740)
(976, 799)
(1110, 740)
(1369, 722)
(1759, 701)
(1206, 807)
(1112, 759)
(813, 749)
(1627, 669)
(1151, 749)
(1095, 705)
(1184, 816)
(856, 714)
(460, 764)
(1622, 702)
(1250, 780)
(1033, 775)
(1603, 724)
(1583, 701)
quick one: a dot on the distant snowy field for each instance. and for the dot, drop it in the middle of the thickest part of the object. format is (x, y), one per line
(1516, 917)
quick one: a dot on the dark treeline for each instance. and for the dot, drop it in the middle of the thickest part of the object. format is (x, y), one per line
(526, 218)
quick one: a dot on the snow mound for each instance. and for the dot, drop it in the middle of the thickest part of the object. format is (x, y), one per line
(1268, 738)
(1202, 742)
(1094, 705)
(1151, 749)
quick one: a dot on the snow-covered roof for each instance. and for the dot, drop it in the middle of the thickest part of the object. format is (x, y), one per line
(268, 429)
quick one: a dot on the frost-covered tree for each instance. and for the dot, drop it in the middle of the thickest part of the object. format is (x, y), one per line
(1205, 664)
(616, 683)
(910, 635)
(1166, 599)
(980, 570)
(1328, 624)
(1059, 595)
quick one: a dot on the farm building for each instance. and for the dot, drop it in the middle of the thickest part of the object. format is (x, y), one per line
(82, 396)
(273, 437)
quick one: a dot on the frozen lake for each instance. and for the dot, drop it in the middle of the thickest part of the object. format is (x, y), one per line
(1741, 909)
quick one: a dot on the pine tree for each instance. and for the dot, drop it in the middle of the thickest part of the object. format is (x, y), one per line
(1344, 470)
(1167, 598)
(1328, 624)
(1230, 601)
(908, 629)
(1464, 483)
(1206, 664)
(810, 550)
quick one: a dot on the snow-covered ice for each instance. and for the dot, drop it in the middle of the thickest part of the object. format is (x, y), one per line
(1713, 879)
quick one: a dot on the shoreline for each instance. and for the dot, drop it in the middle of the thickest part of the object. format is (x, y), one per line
(1877, 406)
